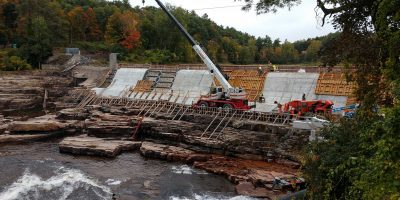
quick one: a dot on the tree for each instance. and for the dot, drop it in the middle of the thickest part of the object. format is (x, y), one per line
(10, 16)
(93, 31)
(289, 54)
(51, 11)
(122, 29)
(38, 46)
(78, 20)
(3, 36)
(276, 43)
(263, 42)
(312, 50)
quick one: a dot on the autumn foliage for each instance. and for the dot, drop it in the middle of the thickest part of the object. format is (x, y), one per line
(122, 29)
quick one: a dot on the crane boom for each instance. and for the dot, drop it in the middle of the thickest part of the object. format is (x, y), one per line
(210, 65)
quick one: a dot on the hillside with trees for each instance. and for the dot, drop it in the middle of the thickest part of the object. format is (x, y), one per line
(142, 35)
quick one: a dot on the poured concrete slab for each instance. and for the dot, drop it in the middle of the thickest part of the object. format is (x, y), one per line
(284, 87)
(84, 145)
(124, 79)
(191, 84)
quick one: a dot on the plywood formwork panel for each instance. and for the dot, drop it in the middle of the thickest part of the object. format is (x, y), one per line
(143, 86)
(334, 84)
(250, 80)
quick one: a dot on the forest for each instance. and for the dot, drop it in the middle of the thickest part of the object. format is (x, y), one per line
(31, 29)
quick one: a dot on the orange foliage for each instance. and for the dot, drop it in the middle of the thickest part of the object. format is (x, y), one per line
(131, 41)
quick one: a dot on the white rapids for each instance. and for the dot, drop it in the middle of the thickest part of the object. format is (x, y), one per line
(60, 186)
(185, 169)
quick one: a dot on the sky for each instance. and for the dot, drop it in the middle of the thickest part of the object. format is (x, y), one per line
(298, 23)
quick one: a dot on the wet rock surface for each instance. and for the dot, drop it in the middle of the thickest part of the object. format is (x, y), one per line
(261, 159)
(253, 178)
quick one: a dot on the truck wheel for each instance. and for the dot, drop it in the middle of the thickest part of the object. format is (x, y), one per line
(227, 106)
(203, 104)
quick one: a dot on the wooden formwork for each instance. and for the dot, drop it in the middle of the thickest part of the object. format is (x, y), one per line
(143, 86)
(250, 80)
(334, 84)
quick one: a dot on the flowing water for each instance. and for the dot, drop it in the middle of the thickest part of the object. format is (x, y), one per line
(38, 171)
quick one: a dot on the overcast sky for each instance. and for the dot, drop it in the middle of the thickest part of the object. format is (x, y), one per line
(298, 23)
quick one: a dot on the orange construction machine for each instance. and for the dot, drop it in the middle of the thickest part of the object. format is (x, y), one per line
(302, 107)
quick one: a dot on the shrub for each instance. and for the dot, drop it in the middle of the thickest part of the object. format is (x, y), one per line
(15, 63)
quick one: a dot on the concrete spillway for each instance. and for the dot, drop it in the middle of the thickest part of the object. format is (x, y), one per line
(191, 84)
(124, 79)
(284, 87)
(339, 101)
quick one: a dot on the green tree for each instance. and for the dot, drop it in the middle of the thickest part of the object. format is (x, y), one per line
(313, 50)
(10, 16)
(289, 54)
(37, 47)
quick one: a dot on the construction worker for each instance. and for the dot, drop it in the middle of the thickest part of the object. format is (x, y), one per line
(303, 97)
(275, 68)
(279, 106)
(261, 98)
(260, 71)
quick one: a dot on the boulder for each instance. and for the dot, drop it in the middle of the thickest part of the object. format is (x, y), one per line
(165, 152)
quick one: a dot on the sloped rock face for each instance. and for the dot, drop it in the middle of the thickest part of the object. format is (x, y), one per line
(267, 145)
(85, 145)
(26, 89)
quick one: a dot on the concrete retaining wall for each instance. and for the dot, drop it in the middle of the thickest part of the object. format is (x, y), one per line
(189, 85)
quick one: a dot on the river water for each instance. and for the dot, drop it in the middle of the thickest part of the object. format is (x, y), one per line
(37, 171)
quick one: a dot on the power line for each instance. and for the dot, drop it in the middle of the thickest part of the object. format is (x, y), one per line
(220, 7)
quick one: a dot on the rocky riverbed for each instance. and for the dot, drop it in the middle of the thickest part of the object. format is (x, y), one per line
(260, 159)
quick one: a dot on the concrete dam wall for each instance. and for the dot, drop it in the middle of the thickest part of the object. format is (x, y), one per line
(189, 85)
